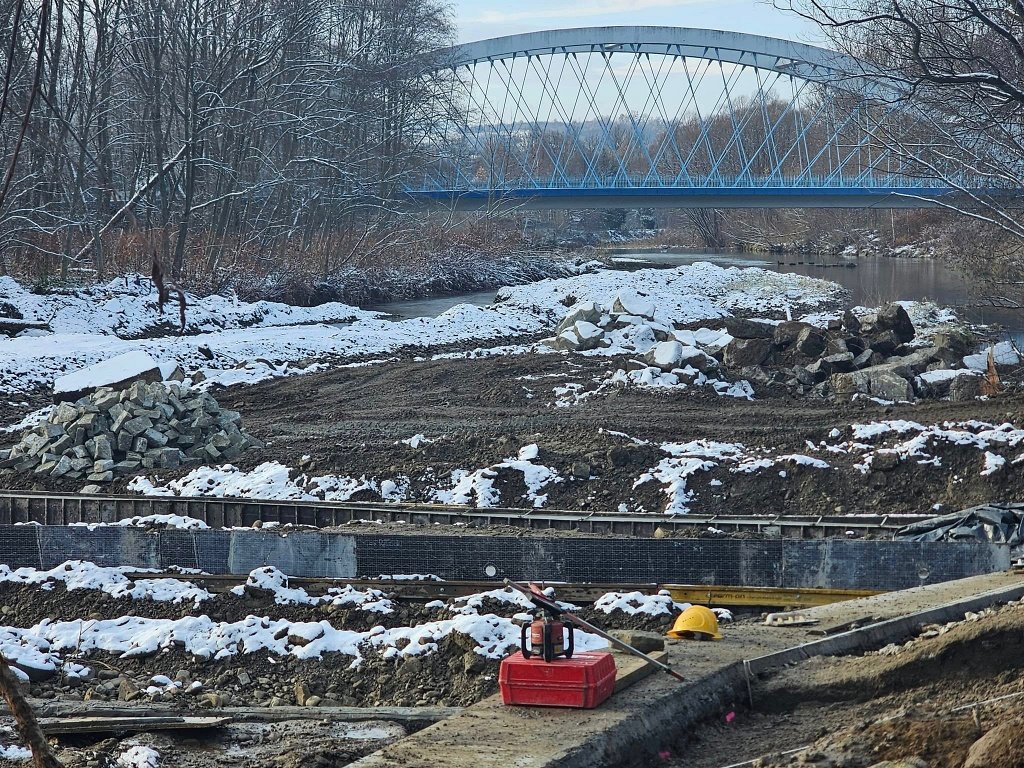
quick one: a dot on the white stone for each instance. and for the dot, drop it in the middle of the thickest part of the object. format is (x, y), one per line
(630, 303)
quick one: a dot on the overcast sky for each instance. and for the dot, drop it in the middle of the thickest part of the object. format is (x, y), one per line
(478, 19)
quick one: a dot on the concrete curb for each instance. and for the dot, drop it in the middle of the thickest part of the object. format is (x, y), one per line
(884, 632)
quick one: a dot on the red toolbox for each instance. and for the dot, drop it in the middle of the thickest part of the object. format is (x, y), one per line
(584, 681)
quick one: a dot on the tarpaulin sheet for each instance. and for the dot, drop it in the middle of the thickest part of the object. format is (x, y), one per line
(1000, 523)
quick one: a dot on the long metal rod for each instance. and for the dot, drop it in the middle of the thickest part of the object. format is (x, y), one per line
(583, 624)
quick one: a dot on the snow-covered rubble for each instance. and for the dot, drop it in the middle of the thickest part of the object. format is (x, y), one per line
(634, 603)
(78, 574)
(234, 342)
(664, 358)
(43, 649)
(478, 488)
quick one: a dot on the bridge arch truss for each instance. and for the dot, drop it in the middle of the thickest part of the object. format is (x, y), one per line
(663, 116)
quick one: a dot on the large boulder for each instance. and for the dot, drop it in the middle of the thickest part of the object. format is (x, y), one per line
(939, 382)
(885, 343)
(741, 328)
(965, 388)
(841, 362)
(876, 382)
(910, 365)
(889, 386)
(786, 334)
(810, 342)
(630, 303)
(581, 336)
(698, 360)
(893, 317)
(744, 353)
(851, 322)
(665, 355)
(587, 312)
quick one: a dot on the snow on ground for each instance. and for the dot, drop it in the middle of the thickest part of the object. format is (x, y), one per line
(253, 341)
(36, 417)
(43, 646)
(14, 752)
(274, 481)
(478, 488)
(272, 580)
(138, 756)
(78, 574)
(911, 441)
(685, 460)
(637, 602)
(573, 393)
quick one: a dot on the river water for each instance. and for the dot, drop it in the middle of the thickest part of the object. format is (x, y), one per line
(872, 280)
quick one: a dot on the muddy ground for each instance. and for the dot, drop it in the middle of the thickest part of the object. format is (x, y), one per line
(351, 421)
(911, 704)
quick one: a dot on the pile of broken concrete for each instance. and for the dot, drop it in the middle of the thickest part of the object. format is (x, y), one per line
(875, 354)
(115, 432)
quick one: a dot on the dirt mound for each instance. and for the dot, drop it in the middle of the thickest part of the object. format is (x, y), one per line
(985, 645)
(950, 698)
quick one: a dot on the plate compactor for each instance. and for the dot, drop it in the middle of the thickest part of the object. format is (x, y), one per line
(547, 671)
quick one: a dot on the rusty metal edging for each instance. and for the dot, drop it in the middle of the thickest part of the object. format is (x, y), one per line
(66, 509)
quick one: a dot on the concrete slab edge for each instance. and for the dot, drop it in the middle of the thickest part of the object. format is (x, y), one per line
(884, 632)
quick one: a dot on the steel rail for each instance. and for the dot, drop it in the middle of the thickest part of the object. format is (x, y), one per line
(46, 508)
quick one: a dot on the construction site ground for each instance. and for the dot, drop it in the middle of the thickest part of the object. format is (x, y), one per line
(652, 721)
(480, 412)
(953, 699)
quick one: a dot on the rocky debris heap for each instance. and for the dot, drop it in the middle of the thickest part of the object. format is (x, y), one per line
(629, 326)
(112, 433)
(875, 354)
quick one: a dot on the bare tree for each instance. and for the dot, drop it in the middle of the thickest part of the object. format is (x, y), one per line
(955, 71)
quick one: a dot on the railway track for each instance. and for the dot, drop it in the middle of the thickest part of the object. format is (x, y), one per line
(68, 509)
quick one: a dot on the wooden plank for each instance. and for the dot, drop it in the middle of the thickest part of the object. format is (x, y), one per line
(128, 724)
(407, 715)
(762, 596)
(631, 669)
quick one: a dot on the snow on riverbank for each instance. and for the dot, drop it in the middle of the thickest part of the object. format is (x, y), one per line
(236, 342)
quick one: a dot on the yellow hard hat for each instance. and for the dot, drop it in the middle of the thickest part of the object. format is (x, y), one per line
(696, 623)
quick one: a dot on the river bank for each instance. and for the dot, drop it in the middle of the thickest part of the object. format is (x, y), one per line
(871, 280)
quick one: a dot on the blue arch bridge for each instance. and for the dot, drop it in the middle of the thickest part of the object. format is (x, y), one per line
(610, 117)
